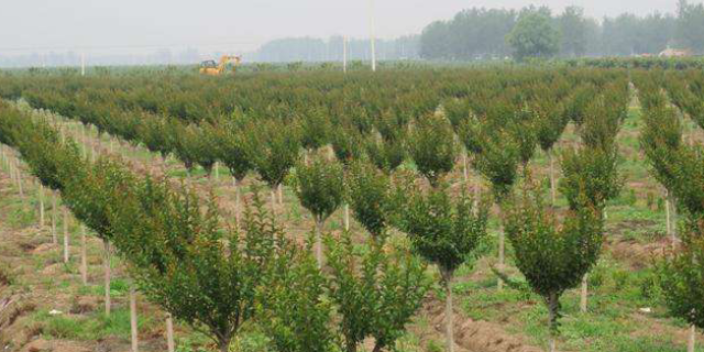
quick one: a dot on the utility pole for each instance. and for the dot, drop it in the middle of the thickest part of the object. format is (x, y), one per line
(344, 54)
(372, 34)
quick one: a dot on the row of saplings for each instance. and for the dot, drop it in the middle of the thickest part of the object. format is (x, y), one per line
(679, 167)
(218, 280)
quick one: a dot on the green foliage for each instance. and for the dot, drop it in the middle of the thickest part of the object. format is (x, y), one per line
(387, 155)
(443, 230)
(347, 144)
(231, 143)
(315, 130)
(432, 147)
(188, 145)
(552, 257)
(320, 187)
(274, 151)
(498, 162)
(158, 135)
(682, 274)
(592, 174)
(550, 124)
(297, 314)
(183, 262)
(368, 194)
(534, 36)
(376, 292)
(523, 132)
(91, 192)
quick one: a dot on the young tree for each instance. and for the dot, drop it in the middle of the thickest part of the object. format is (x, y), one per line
(550, 124)
(553, 257)
(590, 173)
(442, 230)
(498, 162)
(297, 314)
(376, 293)
(368, 192)
(89, 193)
(274, 150)
(387, 155)
(432, 147)
(320, 188)
(232, 150)
(182, 261)
(315, 130)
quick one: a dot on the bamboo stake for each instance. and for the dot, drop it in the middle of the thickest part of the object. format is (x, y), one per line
(19, 182)
(449, 318)
(319, 242)
(238, 199)
(347, 217)
(84, 259)
(583, 300)
(53, 218)
(66, 237)
(553, 192)
(170, 344)
(41, 205)
(106, 246)
(133, 319)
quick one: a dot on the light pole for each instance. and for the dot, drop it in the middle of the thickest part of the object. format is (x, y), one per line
(344, 54)
(372, 34)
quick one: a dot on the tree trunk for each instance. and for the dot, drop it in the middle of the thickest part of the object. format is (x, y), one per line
(19, 181)
(668, 219)
(53, 218)
(238, 199)
(217, 171)
(84, 259)
(319, 242)
(449, 316)
(224, 345)
(106, 246)
(673, 215)
(691, 341)
(170, 343)
(41, 206)
(273, 202)
(66, 220)
(347, 217)
(10, 164)
(552, 319)
(133, 319)
(583, 300)
(465, 172)
(502, 259)
(281, 194)
(553, 191)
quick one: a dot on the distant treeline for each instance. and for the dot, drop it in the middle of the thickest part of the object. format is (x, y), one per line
(318, 50)
(481, 33)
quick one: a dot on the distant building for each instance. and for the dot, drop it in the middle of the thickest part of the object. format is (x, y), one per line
(669, 52)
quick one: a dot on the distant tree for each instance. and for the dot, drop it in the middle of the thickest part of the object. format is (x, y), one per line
(573, 29)
(434, 41)
(690, 26)
(534, 35)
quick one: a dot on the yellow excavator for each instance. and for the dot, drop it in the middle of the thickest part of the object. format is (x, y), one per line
(211, 68)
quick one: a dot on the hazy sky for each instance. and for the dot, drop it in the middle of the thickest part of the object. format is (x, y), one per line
(237, 25)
